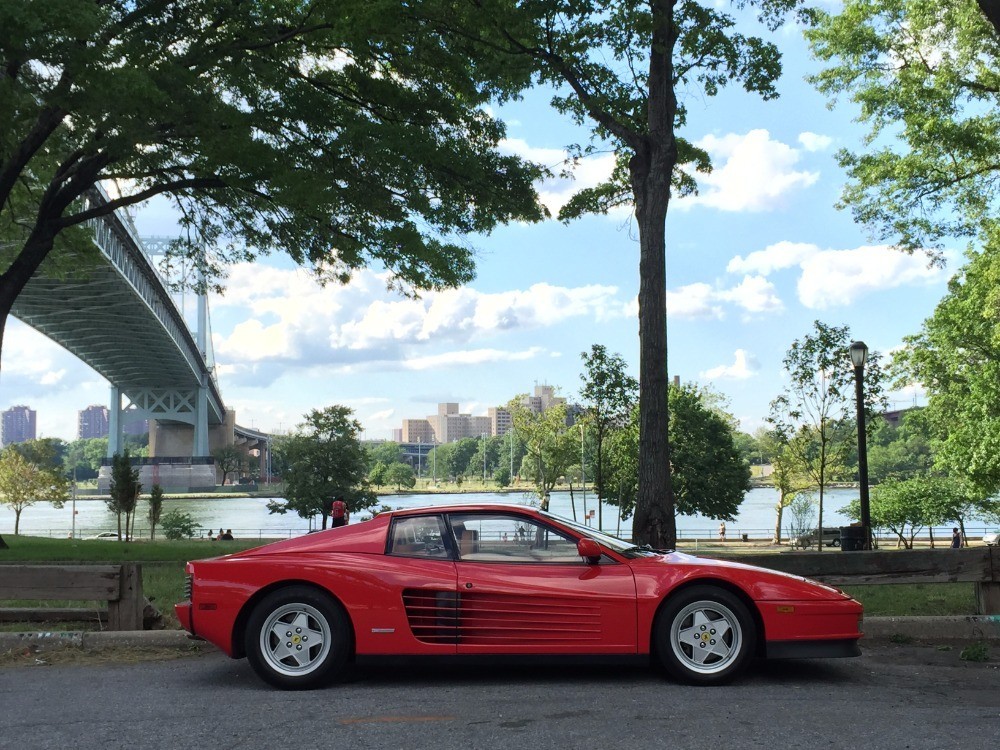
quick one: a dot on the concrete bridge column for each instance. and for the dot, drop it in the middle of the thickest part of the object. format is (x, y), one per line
(115, 423)
(201, 423)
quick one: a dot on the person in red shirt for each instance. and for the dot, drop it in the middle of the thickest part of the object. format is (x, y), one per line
(338, 513)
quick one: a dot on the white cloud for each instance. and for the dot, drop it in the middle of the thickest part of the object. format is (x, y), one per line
(555, 191)
(284, 317)
(470, 357)
(834, 278)
(53, 377)
(814, 141)
(755, 294)
(694, 301)
(751, 173)
(744, 366)
(772, 258)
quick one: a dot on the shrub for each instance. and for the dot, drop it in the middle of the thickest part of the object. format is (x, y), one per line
(177, 525)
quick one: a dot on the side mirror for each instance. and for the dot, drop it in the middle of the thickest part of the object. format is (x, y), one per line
(589, 550)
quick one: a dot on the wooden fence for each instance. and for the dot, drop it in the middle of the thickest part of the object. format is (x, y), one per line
(120, 585)
(978, 565)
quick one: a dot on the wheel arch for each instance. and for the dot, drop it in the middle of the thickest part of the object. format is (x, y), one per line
(759, 646)
(240, 624)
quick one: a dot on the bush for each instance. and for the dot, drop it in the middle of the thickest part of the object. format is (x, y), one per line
(177, 525)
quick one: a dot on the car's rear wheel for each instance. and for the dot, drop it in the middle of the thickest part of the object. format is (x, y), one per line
(704, 636)
(835, 542)
(298, 638)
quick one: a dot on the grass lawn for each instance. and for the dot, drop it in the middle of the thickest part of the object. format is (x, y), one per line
(163, 577)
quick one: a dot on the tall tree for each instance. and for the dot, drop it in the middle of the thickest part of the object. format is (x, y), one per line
(608, 395)
(123, 494)
(325, 461)
(710, 474)
(786, 474)
(810, 417)
(340, 132)
(550, 445)
(155, 508)
(618, 66)
(956, 356)
(24, 482)
(925, 75)
(229, 460)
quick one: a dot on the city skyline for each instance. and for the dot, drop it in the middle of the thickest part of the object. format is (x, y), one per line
(753, 259)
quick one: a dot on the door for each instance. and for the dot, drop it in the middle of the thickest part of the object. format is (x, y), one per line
(523, 589)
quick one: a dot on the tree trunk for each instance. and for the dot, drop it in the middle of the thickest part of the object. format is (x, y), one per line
(17, 521)
(779, 511)
(991, 9)
(572, 501)
(651, 168)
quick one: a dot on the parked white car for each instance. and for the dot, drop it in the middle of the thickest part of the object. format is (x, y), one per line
(992, 539)
(105, 535)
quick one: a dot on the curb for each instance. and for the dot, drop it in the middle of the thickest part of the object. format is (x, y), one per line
(101, 641)
(969, 628)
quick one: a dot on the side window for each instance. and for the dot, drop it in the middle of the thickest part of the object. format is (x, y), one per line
(497, 537)
(419, 536)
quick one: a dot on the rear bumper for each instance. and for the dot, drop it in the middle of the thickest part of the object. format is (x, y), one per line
(183, 612)
(827, 649)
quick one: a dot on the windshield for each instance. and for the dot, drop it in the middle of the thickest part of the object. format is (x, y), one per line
(611, 542)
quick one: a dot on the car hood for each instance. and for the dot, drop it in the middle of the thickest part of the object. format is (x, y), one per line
(762, 583)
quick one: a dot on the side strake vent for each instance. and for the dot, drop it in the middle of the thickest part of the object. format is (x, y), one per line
(499, 619)
(433, 615)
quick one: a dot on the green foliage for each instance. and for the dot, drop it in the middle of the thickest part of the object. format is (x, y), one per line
(978, 652)
(84, 456)
(155, 508)
(325, 460)
(25, 481)
(401, 475)
(924, 75)
(812, 418)
(906, 506)
(956, 356)
(178, 525)
(608, 395)
(386, 453)
(124, 492)
(550, 445)
(344, 133)
(459, 457)
(802, 509)
(900, 452)
(710, 476)
(229, 460)
(379, 474)
(502, 477)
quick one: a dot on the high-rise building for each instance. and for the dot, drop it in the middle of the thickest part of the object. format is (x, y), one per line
(18, 425)
(92, 422)
(500, 421)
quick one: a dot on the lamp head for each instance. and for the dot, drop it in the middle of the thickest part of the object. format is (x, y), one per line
(859, 353)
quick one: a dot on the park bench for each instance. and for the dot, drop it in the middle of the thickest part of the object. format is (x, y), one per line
(978, 565)
(120, 585)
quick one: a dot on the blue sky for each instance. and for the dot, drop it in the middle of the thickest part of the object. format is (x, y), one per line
(751, 262)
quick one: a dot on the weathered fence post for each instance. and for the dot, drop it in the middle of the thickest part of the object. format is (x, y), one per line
(126, 612)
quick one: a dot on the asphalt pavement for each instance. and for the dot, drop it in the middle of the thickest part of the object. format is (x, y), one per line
(894, 696)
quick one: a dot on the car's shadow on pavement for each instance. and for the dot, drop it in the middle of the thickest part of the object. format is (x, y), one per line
(237, 675)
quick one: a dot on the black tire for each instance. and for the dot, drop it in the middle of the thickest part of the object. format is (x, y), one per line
(835, 543)
(704, 635)
(318, 646)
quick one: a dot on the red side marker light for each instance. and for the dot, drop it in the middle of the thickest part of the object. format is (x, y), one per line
(785, 609)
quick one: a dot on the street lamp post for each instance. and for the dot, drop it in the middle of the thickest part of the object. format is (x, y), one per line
(859, 354)
(483, 436)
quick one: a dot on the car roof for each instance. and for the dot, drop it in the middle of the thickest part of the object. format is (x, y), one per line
(466, 508)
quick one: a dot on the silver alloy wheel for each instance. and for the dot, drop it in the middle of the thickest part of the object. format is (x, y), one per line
(706, 637)
(295, 639)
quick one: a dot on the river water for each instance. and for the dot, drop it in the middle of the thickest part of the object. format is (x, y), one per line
(249, 518)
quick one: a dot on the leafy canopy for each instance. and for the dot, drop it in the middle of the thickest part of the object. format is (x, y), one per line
(341, 133)
(926, 77)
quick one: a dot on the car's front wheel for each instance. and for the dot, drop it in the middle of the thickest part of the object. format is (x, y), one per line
(298, 638)
(704, 635)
